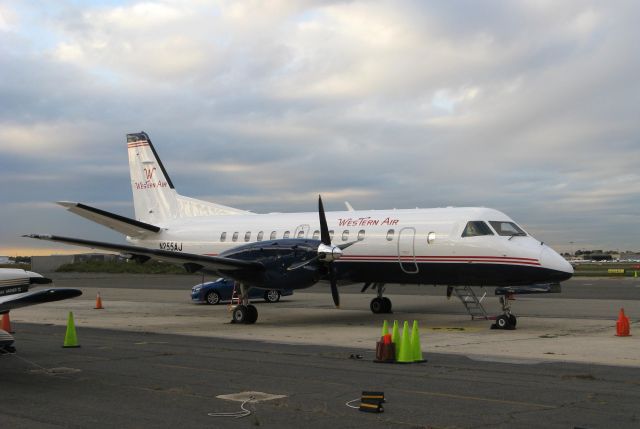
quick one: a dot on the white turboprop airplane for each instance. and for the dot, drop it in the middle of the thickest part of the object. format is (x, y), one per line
(454, 247)
(14, 293)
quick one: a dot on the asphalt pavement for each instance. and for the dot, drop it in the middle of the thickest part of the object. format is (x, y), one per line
(133, 380)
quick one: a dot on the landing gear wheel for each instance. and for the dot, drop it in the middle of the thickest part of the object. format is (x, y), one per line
(502, 322)
(386, 304)
(377, 305)
(240, 314)
(212, 298)
(506, 322)
(252, 314)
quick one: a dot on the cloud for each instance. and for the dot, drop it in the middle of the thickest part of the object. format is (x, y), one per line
(527, 107)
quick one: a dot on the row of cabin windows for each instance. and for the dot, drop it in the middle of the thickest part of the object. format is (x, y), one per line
(301, 233)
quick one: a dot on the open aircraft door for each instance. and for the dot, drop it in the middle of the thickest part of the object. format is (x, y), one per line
(406, 250)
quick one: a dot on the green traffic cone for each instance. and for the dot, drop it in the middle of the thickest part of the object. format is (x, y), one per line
(405, 355)
(385, 328)
(395, 337)
(71, 339)
(415, 343)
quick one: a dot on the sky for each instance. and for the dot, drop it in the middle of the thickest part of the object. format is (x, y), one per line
(528, 107)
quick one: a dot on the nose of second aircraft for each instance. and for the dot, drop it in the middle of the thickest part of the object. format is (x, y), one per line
(552, 260)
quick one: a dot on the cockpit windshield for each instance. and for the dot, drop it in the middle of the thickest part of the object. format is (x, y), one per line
(476, 228)
(506, 228)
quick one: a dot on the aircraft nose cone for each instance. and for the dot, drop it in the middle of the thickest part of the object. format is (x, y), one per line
(551, 260)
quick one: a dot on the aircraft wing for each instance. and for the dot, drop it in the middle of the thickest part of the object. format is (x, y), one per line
(192, 262)
(9, 302)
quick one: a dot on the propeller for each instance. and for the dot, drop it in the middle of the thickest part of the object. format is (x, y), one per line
(327, 253)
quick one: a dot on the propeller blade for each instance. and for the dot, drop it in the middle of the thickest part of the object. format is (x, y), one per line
(302, 264)
(334, 287)
(365, 287)
(324, 229)
(345, 245)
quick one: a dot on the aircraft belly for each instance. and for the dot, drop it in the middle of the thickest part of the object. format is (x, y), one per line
(482, 274)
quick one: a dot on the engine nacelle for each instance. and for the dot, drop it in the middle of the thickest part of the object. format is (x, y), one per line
(277, 256)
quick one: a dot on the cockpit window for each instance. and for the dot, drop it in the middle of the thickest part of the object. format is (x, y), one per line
(476, 228)
(506, 228)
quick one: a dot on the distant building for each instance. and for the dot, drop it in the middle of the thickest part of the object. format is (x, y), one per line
(48, 264)
(5, 260)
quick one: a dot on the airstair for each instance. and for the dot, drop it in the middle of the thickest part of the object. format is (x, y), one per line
(471, 302)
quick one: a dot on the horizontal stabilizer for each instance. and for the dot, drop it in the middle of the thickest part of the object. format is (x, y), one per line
(122, 224)
(531, 289)
(25, 299)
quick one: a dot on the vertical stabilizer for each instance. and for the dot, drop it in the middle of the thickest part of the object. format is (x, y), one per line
(154, 198)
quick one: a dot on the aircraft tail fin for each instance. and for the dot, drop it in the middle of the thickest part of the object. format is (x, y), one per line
(155, 199)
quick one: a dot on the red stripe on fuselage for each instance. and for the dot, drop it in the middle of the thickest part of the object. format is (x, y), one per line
(460, 259)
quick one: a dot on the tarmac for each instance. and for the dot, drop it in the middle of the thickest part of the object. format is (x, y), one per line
(151, 358)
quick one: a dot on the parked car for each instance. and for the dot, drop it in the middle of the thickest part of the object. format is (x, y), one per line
(221, 290)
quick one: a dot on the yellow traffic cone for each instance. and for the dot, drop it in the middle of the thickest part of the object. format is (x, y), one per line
(395, 337)
(415, 343)
(71, 339)
(385, 328)
(405, 354)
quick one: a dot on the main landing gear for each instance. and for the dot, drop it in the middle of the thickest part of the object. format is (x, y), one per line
(506, 320)
(244, 312)
(379, 304)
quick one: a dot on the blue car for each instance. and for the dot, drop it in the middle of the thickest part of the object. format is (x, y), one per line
(222, 289)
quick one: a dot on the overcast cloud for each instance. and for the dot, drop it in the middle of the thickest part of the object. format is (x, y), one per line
(529, 107)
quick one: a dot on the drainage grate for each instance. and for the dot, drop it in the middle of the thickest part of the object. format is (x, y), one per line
(250, 397)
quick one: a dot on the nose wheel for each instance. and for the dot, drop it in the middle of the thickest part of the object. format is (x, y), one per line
(507, 320)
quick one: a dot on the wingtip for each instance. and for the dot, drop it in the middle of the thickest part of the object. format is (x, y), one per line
(38, 236)
(67, 204)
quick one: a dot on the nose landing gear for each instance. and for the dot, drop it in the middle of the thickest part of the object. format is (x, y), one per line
(506, 320)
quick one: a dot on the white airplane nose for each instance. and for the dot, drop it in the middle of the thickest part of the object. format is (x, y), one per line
(552, 260)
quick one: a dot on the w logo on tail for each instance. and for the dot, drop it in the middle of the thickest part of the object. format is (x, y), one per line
(148, 172)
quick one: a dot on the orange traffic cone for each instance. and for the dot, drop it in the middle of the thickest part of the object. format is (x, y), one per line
(622, 325)
(98, 303)
(6, 324)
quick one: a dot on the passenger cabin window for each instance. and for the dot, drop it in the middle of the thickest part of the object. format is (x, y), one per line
(506, 228)
(316, 235)
(286, 234)
(390, 234)
(345, 235)
(476, 228)
(247, 236)
(361, 235)
(273, 235)
(301, 233)
(235, 237)
(260, 236)
(223, 236)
